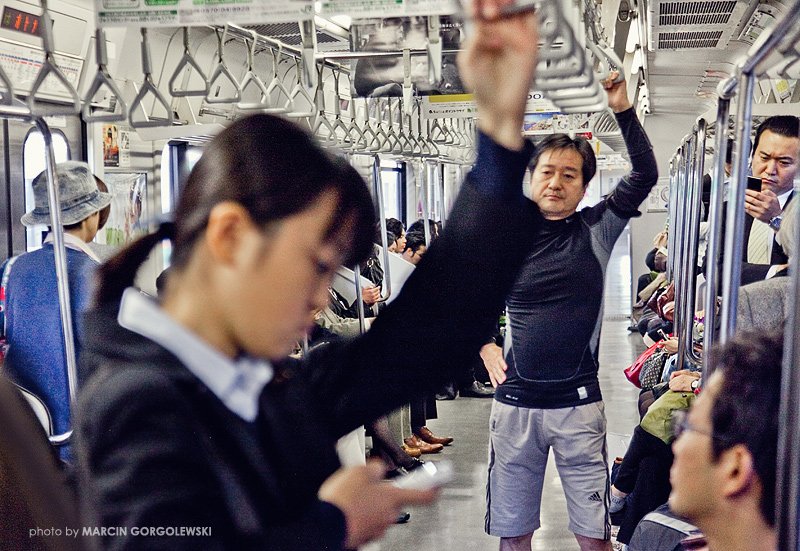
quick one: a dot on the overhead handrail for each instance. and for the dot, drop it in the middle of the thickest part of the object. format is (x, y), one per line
(321, 121)
(277, 84)
(299, 91)
(187, 62)
(251, 78)
(49, 69)
(221, 72)
(148, 88)
(101, 79)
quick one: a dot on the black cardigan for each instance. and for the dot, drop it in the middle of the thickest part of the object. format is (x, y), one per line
(156, 448)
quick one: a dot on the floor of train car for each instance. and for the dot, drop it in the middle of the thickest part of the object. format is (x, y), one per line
(455, 522)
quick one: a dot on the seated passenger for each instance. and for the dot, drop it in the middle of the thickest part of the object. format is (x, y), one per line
(723, 476)
(35, 357)
(415, 247)
(763, 304)
(192, 416)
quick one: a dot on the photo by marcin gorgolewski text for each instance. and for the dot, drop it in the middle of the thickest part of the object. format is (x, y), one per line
(117, 531)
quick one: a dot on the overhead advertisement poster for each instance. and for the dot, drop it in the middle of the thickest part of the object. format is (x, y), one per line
(174, 13)
(387, 8)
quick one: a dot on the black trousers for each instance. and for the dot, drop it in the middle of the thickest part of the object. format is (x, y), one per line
(644, 476)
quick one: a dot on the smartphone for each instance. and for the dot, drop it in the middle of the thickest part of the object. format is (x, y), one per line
(429, 475)
(663, 335)
(754, 183)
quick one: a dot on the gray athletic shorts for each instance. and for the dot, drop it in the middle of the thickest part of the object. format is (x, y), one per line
(519, 442)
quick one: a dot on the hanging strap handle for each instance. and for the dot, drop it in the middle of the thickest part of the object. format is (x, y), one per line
(187, 62)
(222, 72)
(103, 79)
(149, 88)
(49, 69)
(277, 84)
(300, 90)
(252, 78)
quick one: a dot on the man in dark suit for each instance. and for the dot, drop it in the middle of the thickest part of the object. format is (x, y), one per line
(776, 160)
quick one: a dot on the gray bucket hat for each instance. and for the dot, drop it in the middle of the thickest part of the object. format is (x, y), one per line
(80, 197)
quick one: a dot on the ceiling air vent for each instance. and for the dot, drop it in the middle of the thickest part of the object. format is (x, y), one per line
(687, 40)
(289, 33)
(695, 13)
(696, 24)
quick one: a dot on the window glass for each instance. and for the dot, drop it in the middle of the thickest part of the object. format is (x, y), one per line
(33, 163)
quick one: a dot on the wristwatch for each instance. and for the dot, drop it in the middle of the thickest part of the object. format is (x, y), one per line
(775, 222)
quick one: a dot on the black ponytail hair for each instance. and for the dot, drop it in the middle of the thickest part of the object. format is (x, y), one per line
(273, 169)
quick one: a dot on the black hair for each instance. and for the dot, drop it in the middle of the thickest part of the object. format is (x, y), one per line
(746, 407)
(395, 226)
(274, 170)
(414, 240)
(419, 226)
(783, 125)
(563, 141)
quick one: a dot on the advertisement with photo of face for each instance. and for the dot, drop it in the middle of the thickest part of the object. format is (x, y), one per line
(383, 76)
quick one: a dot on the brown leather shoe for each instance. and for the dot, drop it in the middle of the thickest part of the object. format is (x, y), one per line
(426, 435)
(424, 447)
(411, 451)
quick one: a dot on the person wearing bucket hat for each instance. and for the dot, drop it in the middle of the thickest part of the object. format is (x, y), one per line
(35, 357)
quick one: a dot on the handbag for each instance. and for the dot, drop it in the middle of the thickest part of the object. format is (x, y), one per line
(652, 369)
(658, 419)
(633, 371)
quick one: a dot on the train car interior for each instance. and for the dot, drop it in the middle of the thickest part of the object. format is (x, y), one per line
(138, 91)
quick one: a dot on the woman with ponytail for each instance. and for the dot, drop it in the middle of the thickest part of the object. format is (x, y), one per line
(195, 431)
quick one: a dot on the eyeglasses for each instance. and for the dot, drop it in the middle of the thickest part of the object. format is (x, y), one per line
(681, 424)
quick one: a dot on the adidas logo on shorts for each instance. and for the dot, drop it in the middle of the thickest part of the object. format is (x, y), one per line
(595, 497)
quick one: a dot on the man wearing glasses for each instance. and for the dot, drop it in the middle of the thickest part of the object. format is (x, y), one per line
(723, 476)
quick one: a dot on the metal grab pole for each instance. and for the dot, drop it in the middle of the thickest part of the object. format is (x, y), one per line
(672, 214)
(680, 240)
(715, 222)
(440, 180)
(378, 183)
(54, 203)
(362, 324)
(734, 236)
(787, 492)
(424, 177)
(690, 265)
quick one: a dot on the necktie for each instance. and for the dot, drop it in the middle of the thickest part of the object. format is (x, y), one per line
(758, 244)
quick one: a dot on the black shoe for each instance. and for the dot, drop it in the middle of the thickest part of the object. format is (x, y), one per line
(447, 393)
(477, 390)
(403, 517)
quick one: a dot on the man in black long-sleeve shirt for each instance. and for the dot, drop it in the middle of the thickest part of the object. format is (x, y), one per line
(547, 388)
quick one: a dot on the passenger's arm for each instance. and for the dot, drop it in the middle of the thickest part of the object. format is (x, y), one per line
(634, 188)
(471, 267)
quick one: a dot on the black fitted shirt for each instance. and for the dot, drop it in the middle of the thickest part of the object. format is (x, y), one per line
(554, 310)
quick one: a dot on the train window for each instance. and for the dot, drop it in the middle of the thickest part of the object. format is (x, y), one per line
(177, 161)
(393, 178)
(33, 163)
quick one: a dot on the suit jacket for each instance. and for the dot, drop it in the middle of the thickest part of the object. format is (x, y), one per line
(762, 305)
(752, 272)
(158, 449)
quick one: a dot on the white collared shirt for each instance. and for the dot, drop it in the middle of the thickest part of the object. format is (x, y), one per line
(236, 382)
(73, 242)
